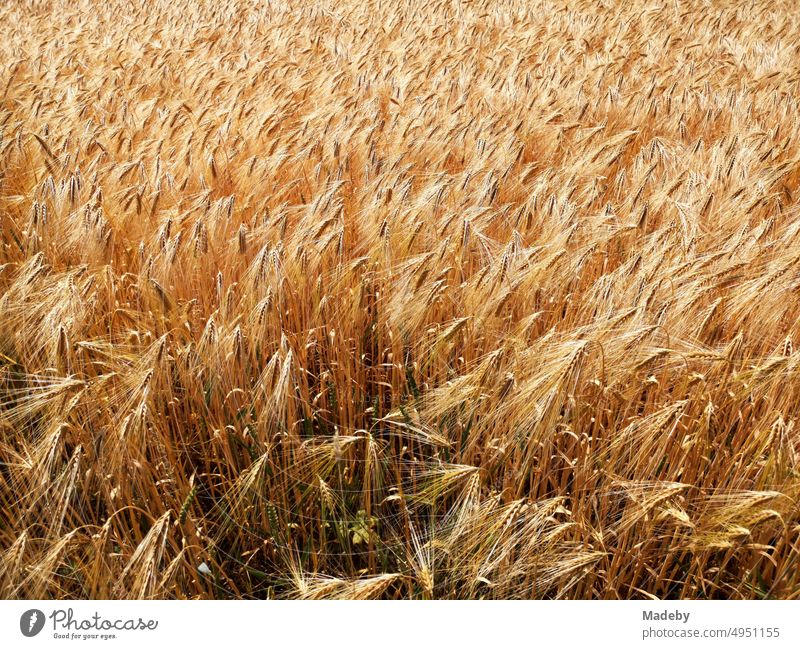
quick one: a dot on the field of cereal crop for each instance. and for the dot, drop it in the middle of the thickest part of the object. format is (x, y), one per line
(399, 299)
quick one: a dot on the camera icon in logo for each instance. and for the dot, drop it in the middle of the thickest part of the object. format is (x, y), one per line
(31, 622)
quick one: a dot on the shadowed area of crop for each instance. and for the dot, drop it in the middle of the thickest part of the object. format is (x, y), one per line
(491, 299)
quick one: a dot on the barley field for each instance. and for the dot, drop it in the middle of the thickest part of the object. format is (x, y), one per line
(399, 299)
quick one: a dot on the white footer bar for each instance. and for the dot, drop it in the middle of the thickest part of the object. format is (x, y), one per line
(353, 625)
